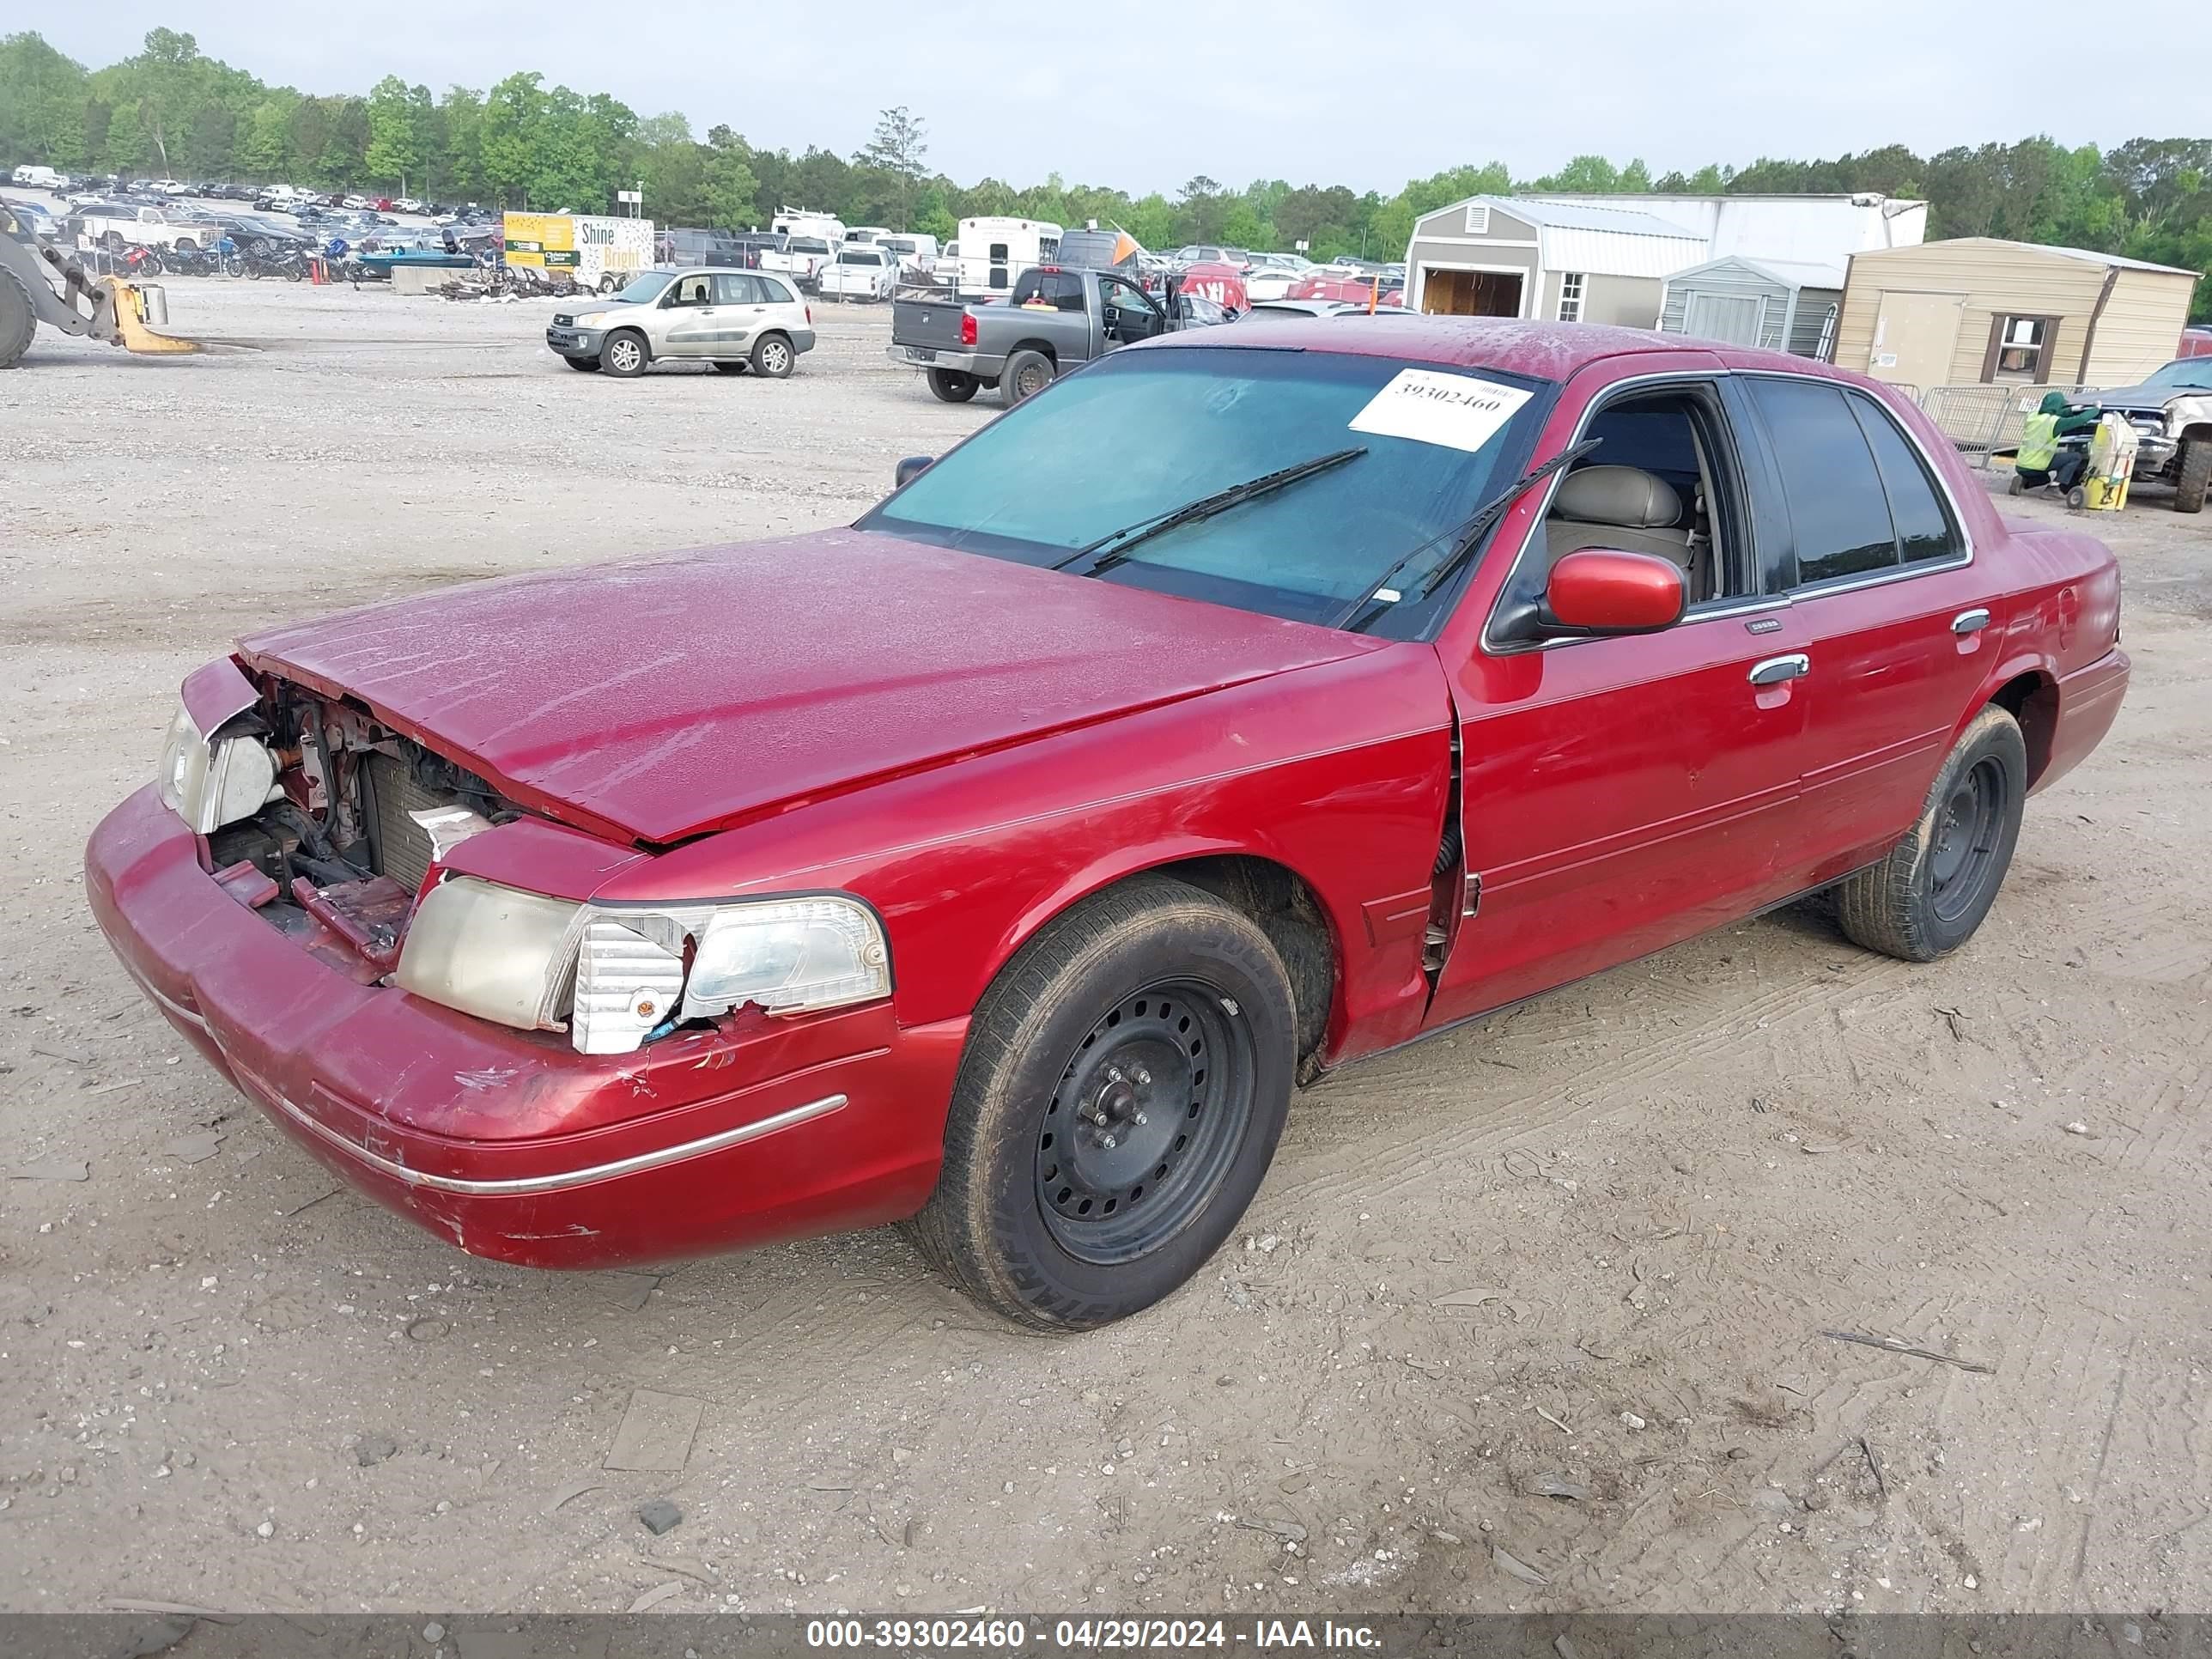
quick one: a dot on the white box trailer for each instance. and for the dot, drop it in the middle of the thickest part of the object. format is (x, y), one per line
(991, 252)
(598, 252)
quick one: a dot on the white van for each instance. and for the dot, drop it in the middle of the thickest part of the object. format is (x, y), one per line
(916, 253)
(804, 221)
(996, 250)
(38, 178)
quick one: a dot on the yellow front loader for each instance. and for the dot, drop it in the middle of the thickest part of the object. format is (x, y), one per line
(40, 284)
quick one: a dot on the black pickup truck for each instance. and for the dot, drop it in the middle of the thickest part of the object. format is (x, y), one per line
(1054, 320)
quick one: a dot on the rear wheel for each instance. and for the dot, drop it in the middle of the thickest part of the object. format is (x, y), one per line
(2192, 474)
(18, 322)
(624, 355)
(1026, 374)
(773, 357)
(1126, 1080)
(951, 385)
(1931, 894)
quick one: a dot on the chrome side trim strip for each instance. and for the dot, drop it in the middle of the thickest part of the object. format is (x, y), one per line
(561, 1180)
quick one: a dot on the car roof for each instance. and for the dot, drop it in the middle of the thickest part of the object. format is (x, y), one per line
(1550, 351)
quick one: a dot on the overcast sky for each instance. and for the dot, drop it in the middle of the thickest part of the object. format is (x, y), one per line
(1143, 95)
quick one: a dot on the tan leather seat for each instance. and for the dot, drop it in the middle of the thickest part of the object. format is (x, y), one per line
(1624, 507)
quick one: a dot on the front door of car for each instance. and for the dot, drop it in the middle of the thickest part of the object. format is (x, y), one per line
(688, 317)
(1621, 794)
(1126, 313)
(1898, 626)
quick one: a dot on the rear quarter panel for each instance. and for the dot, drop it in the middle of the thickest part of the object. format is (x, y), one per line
(1338, 772)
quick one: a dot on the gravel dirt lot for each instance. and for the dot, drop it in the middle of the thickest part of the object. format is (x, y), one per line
(1549, 1291)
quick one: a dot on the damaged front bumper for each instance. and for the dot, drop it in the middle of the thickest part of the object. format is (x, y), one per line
(510, 1144)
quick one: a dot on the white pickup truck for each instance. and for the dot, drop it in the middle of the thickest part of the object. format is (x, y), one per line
(118, 224)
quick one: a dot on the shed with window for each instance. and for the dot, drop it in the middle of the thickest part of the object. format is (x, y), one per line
(1507, 256)
(1978, 310)
(1781, 305)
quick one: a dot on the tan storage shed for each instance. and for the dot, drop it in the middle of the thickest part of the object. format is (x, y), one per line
(1978, 311)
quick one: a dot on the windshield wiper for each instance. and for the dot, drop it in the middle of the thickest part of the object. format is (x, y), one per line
(1469, 532)
(1204, 508)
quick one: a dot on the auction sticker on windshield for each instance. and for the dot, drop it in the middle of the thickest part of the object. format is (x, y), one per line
(1455, 410)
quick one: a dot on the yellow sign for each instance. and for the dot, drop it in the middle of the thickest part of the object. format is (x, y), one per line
(546, 241)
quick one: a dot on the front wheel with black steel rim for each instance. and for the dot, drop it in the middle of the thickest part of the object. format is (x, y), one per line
(1126, 1080)
(773, 357)
(623, 355)
(1931, 894)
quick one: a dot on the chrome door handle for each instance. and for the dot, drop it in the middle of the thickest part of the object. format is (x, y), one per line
(1970, 621)
(1774, 669)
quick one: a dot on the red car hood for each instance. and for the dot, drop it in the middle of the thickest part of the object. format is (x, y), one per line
(657, 698)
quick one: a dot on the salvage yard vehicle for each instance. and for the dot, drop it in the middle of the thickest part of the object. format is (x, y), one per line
(858, 270)
(121, 224)
(1004, 862)
(41, 284)
(1054, 320)
(2171, 413)
(734, 319)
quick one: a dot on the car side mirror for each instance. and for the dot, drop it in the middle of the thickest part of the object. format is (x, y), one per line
(911, 468)
(1601, 591)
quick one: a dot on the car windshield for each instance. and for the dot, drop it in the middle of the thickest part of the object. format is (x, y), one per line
(1139, 433)
(643, 288)
(2190, 373)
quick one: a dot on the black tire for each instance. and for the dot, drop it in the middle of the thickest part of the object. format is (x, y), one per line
(18, 322)
(727, 367)
(1931, 894)
(588, 365)
(624, 354)
(2192, 473)
(1026, 374)
(1148, 1036)
(951, 385)
(773, 357)
(606, 284)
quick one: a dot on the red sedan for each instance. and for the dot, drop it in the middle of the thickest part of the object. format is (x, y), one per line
(1006, 861)
(1358, 290)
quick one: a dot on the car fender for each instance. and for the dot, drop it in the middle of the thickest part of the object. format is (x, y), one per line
(2185, 415)
(966, 863)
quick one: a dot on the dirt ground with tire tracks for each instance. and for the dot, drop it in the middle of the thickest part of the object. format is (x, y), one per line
(1543, 1300)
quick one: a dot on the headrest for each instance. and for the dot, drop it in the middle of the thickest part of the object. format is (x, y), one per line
(1625, 495)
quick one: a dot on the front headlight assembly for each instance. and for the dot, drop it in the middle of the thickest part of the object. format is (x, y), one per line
(616, 974)
(209, 785)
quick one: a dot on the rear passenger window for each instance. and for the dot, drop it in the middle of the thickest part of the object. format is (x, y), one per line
(731, 289)
(1837, 510)
(1924, 526)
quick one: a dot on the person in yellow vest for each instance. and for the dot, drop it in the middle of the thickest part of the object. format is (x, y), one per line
(2039, 462)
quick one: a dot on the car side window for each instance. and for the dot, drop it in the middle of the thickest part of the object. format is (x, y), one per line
(1925, 530)
(735, 289)
(692, 291)
(1838, 511)
(772, 292)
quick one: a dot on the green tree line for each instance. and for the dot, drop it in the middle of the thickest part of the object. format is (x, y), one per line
(173, 111)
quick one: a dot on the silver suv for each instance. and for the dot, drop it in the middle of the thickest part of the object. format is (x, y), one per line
(734, 319)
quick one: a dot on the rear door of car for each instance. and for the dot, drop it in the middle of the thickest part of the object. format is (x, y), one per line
(1619, 794)
(1898, 623)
